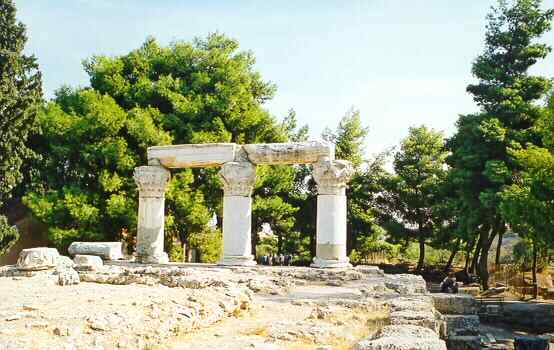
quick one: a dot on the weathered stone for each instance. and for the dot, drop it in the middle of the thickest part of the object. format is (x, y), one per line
(152, 182)
(88, 262)
(105, 250)
(464, 343)
(425, 319)
(290, 153)
(402, 338)
(238, 180)
(530, 343)
(406, 284)
(35, 259)
(370, 270)
(64, 262)
(192, 155)
(68, 277)
(460, 325)
(331, 177)
(454, 304)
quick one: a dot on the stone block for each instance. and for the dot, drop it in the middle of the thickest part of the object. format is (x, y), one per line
(68, 277)
(105, 250)
(370, 270)
(406, 284)
(192, 155)
(34, 259)
(464, 343)
(530, 343)
(88, 262)
(460, 325)
(402, 338)
(454, 304)
(289, 153)
(425, 319)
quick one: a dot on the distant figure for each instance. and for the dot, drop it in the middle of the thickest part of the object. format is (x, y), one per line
(449, 284)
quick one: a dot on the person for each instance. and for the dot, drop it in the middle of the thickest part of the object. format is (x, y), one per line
(449, 284)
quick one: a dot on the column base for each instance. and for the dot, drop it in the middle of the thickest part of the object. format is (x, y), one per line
(238, 260)
(158, 259)
(325, 264)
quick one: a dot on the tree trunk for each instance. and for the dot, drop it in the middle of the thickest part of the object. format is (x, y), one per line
(476, 254)
(421, 260)
(452, 256)
(469, 249)
(483, 264)
(535, 283)
(498, 249)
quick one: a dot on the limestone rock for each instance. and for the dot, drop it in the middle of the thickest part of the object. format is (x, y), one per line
(454, 304)
(34, 259)
(68, 277)
(406, 284)
(425, 319)
(370, 270)
(192, 155)
(88, 262)
(289, 153)
(64, 262)
(464, 343)
(105, 250)
(402, 338)
(460, 325)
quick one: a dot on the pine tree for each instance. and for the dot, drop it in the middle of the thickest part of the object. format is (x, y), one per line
(20, 95)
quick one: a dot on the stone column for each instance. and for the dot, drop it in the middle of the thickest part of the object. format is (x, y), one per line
(152, 182)
(238, 180)
(331, 177)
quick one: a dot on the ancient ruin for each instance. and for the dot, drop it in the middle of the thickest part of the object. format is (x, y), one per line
(238, 175)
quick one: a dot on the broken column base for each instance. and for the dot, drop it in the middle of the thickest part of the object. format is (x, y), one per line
(149, 259)
(238, 261)
(324, 263)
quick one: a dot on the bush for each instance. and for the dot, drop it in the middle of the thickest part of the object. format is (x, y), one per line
(8, 235)
(209, 244)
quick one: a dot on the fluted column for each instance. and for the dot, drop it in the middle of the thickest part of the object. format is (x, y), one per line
(331, 177)
(152, 182)
(238, 180)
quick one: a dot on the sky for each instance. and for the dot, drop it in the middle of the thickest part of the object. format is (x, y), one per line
(401, 63)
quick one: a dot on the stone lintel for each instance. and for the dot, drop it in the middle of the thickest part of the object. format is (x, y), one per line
(289, 153)
(192, 155)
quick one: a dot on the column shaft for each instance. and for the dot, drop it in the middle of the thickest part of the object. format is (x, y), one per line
(331, 177)
(238, 179)
(152, 182)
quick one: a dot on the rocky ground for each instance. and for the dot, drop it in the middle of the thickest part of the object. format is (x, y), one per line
(132, 306)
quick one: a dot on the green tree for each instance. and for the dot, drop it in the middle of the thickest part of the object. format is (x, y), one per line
(528, 203)
(20, 97)
(90, 147)
(506, 94)
(413, 195)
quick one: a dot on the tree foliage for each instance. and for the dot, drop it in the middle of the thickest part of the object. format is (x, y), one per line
(20, 97)
(506, 93)
(413, 195)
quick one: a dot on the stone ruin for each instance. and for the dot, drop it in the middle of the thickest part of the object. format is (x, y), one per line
(238, 175)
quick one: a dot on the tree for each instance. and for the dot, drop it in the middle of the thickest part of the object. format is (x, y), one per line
(528, 203)
(189, 92)
(89, 147)
(20, 97)
(506, 94)
(413, 194)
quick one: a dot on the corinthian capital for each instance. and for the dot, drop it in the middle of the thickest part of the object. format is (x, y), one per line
(151, 180)
(238, 178)
(332, 176)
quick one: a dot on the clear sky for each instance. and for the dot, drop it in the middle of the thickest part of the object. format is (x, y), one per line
(400, 62)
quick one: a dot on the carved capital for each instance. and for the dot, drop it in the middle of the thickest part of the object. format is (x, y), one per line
(151, 181)
(238, 178)
(332, 176)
